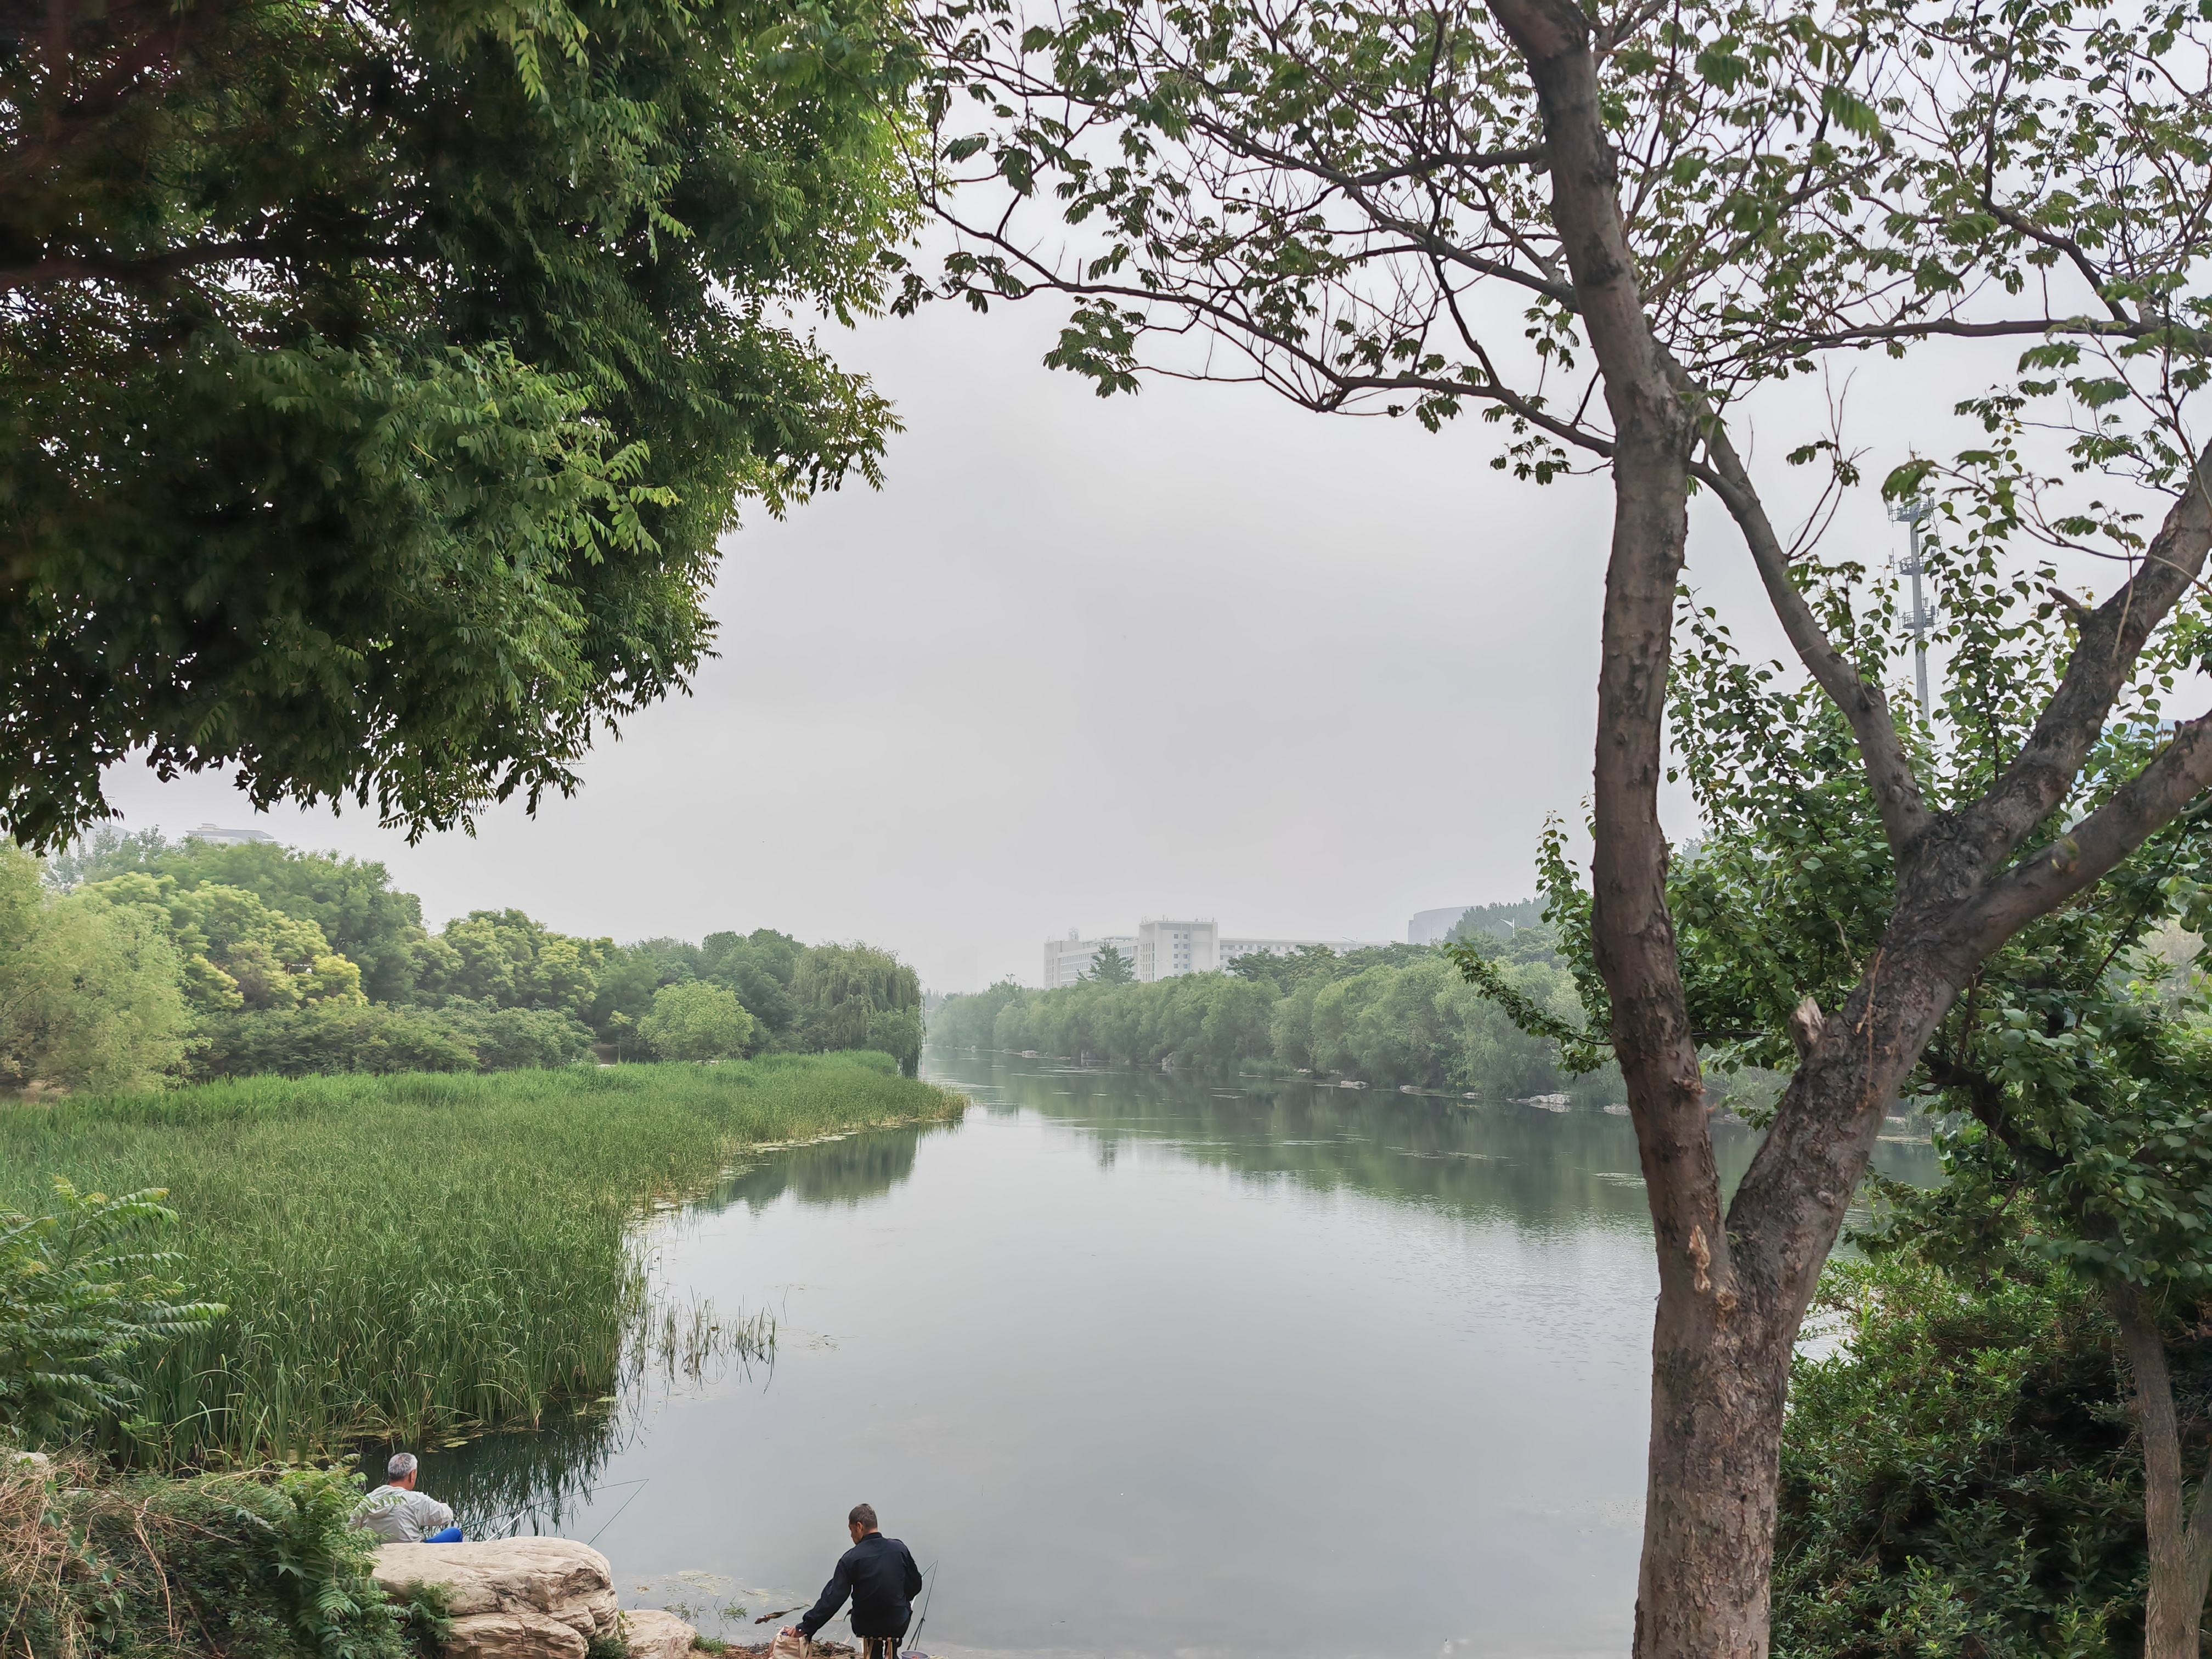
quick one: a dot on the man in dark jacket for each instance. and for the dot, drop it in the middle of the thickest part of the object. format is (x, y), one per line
(879, 1573)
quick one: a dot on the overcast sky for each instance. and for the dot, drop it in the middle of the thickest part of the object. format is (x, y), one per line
(1080, 662)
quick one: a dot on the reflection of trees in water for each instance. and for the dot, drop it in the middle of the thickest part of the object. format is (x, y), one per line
(533, 1482)
(525, 1483)
(1541, 1169)
(846, 1170)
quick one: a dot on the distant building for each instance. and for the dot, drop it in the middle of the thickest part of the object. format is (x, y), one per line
(1166, 948)
(222, 837)
(1068, 960)
(1433, 927)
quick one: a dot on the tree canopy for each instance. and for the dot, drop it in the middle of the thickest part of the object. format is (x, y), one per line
(375, 379)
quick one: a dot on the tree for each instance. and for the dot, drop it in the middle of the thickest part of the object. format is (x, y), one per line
(839, 990)
(697, 1021)
(237, 952)
(2082, 1088)
(1608, 232)
(759, 967)
(506, 958)
(1109, 967)
(456, 331)
(89, 995)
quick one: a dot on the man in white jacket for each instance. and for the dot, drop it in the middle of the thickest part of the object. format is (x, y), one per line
(395, 1511)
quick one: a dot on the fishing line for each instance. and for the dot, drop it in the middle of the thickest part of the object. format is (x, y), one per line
(639, 1484)
(491, 1528)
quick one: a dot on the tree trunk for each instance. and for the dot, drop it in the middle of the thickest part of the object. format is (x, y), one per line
(1718, 1369)
(2180, 1552)
(1733, 1291)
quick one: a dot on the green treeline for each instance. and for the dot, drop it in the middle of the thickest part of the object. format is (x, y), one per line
(1401, 1015)
(133, 961)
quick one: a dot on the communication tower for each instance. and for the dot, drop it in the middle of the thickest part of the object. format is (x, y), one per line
(1911, 514)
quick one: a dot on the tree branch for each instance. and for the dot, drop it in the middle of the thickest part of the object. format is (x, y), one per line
(1889, 773)
(2107, 646)
(153, 267)
(2157, 795)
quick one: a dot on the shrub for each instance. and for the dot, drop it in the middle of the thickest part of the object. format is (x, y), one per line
(250, 1566)
(1961, 1477)
(79, 1299)
(331, 1037)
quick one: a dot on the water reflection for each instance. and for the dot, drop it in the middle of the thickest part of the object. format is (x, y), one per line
(1539, 1167)
(1159, 1364)
(849, 1170)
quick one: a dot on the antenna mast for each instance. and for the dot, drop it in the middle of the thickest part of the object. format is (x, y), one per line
(1911, 514)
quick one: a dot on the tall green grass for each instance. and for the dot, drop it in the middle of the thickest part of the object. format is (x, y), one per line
(423, 1254)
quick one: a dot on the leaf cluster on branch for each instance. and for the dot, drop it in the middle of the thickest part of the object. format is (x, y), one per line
(375, 378)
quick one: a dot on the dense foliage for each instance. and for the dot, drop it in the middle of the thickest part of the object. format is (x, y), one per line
(1960, 1476)
(81, 1296)
(91, 995)
(262, 1565)
(148, 960)
(417, 1253)
(1391, 1017)
(460, 329)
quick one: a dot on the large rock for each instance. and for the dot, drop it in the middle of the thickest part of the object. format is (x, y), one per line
(516, 1598)
(652, 1634)
(513, 1636)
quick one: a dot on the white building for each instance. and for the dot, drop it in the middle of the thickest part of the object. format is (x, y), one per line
(227, 837)
(1165, 949)
(1161, 949)
(1068, 960)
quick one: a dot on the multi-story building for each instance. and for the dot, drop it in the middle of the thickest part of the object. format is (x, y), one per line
(1164, 948)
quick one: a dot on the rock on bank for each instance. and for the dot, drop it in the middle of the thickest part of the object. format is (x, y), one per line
(530, 1598)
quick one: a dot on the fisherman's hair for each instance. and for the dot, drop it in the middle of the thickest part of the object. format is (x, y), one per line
(863, 1516)
(401, 1466)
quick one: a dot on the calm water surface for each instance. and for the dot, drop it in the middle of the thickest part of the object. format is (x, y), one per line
(1156, 1366)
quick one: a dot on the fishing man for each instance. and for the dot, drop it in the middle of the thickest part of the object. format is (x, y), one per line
(879, 1574)
(397, 1513)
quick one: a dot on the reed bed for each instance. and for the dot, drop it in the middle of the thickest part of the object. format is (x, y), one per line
(421, 1256)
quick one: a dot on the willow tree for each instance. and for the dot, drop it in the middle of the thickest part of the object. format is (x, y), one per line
(375, 378)
(1610, 231)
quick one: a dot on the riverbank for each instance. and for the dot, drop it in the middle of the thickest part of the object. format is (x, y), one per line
(421, 1256)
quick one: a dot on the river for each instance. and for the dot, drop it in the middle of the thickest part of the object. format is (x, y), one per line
(1154, 1366)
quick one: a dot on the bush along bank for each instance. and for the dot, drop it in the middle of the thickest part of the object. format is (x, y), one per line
(415, 1256)
(259, 1566)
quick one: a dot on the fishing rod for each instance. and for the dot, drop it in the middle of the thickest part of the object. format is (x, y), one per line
(914, 1647)
(491, 1528)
